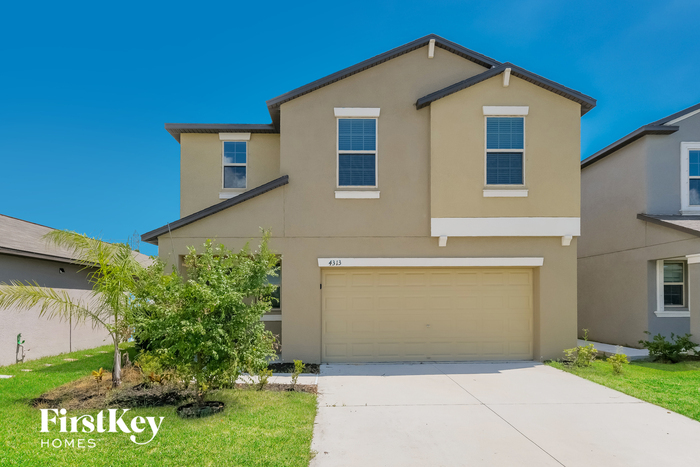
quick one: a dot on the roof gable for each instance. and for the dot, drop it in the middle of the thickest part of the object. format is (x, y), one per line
(587, 102)
(274, 104)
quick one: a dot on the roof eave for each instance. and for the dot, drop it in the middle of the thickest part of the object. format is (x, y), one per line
(176, 129)
(670, 225)
(651, 129)
(152, 236)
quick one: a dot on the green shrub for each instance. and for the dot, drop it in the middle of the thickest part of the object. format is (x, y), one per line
(672, 351)
(581, 355)
(298, 369)
(617, 361)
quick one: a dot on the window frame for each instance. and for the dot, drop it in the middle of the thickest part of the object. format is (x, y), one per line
(338, 153)
(488, 151)
(224, 165)
(686, 207)
(671, 311)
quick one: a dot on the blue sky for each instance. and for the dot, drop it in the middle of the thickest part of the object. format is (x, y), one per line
(86, 87)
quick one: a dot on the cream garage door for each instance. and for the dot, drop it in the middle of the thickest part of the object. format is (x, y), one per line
(426, 314)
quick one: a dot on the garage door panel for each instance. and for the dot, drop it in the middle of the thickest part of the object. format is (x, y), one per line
(394, 314)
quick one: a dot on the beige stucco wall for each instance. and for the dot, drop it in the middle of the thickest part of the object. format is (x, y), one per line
(201, 166)
(458, 148)
(44, 336)
(308, 222)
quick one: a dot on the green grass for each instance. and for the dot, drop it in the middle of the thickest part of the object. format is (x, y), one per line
(672, 386)
(256, 428)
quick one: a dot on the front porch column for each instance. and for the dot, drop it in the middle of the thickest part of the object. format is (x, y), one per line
(694, 295)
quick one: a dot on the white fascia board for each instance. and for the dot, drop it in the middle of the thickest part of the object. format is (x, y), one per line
(234, 136)
(428, 262)
(357, 194)
(356, 112)
(505, 193)
(682, 117)
(519, 110)
(693, 259)
(505, 226)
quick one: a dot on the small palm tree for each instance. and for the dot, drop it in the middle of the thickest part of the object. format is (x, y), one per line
(113, 269)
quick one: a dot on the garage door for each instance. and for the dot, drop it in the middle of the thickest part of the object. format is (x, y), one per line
(426, 314)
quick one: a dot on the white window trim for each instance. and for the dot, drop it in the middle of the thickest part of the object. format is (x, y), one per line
(686, 208)
(357, 194)
(506, 110)
(271, 317)
(337, 155)
(488, 151)
(224, 164)
(356, 112)
(234, 136)
(490, 193)
(661, 309)
(230, 194)
(428, 262)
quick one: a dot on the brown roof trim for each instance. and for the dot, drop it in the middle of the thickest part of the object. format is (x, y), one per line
(663, 220)
(152, 236)
(630, 138)
(586, 102)
(176, 129)
(274, 104)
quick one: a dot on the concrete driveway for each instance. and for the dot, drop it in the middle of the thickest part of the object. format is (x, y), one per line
(509, 414)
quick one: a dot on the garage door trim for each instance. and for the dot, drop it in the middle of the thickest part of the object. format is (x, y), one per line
(428, 262)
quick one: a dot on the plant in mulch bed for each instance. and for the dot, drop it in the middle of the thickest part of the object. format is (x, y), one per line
(208, 327)
(298, 369)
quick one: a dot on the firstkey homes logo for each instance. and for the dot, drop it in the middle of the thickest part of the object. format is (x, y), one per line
(112, 422)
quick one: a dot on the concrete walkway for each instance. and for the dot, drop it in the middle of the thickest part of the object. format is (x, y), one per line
(632, 353)
(489, 414)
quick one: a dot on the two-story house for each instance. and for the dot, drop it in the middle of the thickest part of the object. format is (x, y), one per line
(425, 204)
(639, 253)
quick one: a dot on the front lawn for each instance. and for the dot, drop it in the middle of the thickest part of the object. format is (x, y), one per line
(672, 386)
(257, 428)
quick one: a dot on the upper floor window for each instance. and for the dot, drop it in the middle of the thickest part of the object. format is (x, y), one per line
(235, 164)
(357, 152)
(505, 147)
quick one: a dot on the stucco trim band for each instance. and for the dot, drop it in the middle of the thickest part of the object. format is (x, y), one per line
(505, 226)
(520, 110)
(234, 136)
(428, 262)
(356, 112)
(357, 194)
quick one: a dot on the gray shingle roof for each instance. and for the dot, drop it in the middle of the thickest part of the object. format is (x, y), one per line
(23, 238)
(152, 236)
(587, 102)
(687, 224)
(659, 127)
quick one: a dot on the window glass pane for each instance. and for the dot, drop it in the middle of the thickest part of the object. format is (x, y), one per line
(356, 170)
(276, 295)
(694, 160)
(504, 168)
(673, 295)
(234, 177)
(505, 133)
(357, 134)
(235, 152)
(694, 192)
(673, 272)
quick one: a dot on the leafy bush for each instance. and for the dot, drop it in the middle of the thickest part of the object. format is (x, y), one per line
(617, 361)
(581, 355)
(298, 369)
(208, 327)
(263, 375)
(672, 351)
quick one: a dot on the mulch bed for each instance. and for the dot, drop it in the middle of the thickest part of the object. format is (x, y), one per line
(314, 368)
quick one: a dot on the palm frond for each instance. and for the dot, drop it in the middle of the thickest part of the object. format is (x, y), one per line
(85, 250)
(54, 303)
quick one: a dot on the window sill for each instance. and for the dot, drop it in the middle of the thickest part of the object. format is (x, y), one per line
(496, 193)
(357, 194)
(272, 316)
(673, 314)
(229, 194)
(690, 211)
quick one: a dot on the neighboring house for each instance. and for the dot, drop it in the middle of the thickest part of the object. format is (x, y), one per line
(639, 251)
(26, 257)
(425, 204)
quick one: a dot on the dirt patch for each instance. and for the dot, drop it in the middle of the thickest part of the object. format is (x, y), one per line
(314, 368)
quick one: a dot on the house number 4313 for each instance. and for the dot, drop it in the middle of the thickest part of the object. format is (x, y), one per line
(334, 262)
